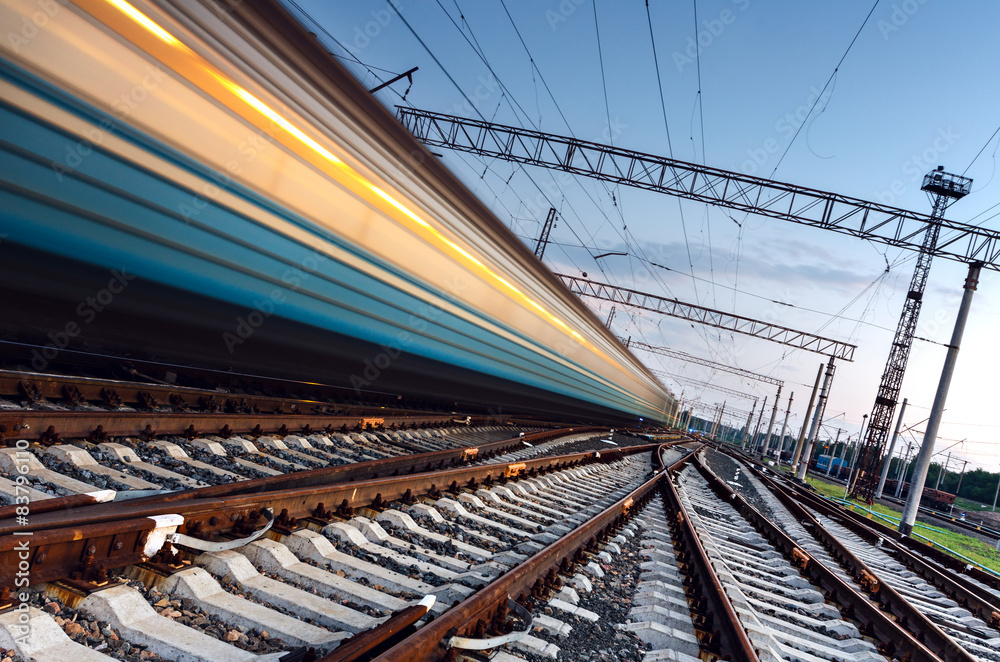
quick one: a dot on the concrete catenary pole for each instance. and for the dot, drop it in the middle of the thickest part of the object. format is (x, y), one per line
(715, 421)
(961, 476)
(851, 478)
(902, 470)
(888, 457)
(943, 471)
(854, 459)
(817, 421)
(805, 421)
(784, 426)
(770, 423)
(833, 456)
(746, 435)
(937, 410)
(756, 429)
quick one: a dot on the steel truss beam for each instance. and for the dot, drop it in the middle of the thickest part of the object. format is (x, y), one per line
(697, 382)
(700, 361)
(710, 317)
(852, 216)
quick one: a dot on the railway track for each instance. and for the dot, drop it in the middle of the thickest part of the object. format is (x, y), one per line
(949, 605)
(528, 551)
(318, 577)
(49, 408)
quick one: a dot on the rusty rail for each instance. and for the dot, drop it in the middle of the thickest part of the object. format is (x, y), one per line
(732, 635)
(868, 528)
(485, 611)
(48, 427)
(979, 601)
(364, 644)
(887, 598)
(893, 639)
(391, 466)
(211, 517)
(111, 393)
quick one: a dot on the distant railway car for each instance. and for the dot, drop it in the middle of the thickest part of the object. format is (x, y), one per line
(931, 498)
(824, 461)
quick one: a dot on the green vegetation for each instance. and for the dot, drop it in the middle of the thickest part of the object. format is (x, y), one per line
(972, 507)
(976, 550)
(978, 485)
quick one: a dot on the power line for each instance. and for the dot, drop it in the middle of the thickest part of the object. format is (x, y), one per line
(701, 106)
(979, 153)
(828, 80)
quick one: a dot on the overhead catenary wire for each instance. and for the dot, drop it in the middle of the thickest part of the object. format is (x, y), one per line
(825, 86)
(981, 150)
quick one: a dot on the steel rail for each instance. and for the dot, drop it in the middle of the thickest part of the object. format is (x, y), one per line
(878, 591)
(893, 640)
(363, 644)
(486, 608)
(49, 426)
(209, 518)
(733, 636)
(871, 530)
(302, 501)
(977, 600)
(404, 464)
(948, 519)
(33, 387)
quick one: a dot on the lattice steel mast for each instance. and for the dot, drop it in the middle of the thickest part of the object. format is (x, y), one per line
(943, 189)
(543, 238)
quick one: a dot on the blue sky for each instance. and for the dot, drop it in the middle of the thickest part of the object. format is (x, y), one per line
(917, 89)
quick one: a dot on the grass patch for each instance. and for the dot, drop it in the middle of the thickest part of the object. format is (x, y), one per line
(972, 507)
(968, 546)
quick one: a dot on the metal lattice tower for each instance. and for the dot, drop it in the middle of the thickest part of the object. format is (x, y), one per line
(543, 238)
(943, 189)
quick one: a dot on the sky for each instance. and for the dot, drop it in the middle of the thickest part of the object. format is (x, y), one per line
(853, 97)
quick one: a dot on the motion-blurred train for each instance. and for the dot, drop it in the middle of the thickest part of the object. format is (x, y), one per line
(201, 183)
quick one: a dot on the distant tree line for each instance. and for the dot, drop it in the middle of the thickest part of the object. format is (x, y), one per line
(977, 485)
